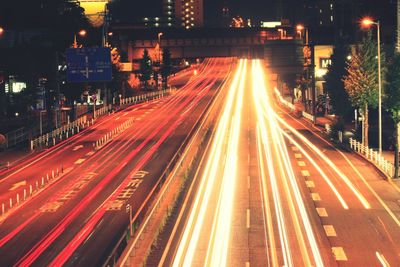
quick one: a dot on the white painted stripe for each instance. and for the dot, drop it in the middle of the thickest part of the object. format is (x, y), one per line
(295, 148)
(315, 197)
(329, 230)
(248, 182)
(247, 264)
(79, 161)
(310, 184)
(298, 155)
(301, 163)
(322, 212)
(248, 219)
(305, 173)
(90, 153)
(339, 254)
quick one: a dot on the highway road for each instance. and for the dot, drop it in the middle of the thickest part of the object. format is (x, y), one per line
(76, 218)
(272, 191)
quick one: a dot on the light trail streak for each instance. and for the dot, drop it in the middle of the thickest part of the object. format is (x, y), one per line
(382, 259)
(344, 178)
(188, 243)
(46, 241)
(267, 210)
(220, 240)
(89, 227)
(264, 138)
(259, 92)
(316, 166)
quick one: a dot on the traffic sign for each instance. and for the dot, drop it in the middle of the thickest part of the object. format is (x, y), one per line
(89, 64)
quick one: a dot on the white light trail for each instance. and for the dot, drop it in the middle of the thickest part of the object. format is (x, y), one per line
(344, 178)
(188, 243)
(263, 105)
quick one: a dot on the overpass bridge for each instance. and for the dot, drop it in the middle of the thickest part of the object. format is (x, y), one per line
(281, 49)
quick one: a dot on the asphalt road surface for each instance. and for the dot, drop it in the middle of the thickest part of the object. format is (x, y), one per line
(272, 191)
(76, 218)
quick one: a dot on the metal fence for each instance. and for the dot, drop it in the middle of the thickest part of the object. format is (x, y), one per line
(61, 133)
(372, 156)
(144, 97)
(15, 137)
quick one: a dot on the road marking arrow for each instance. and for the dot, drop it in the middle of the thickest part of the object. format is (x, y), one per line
(77, 147)
(16, 185)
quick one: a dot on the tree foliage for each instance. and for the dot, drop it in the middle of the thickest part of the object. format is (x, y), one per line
(392, 102)
(392, 90)
(166, 67)
(145, 67)
(334, 83)
(361, 80)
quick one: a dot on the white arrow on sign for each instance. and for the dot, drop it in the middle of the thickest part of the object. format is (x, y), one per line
(16, 185)
(77, 147)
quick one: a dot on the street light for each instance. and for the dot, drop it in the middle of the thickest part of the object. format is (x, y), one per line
(159, 46)
(1, 30)
(81, 33)
(300, 28)
(311, 49)
(368, 22)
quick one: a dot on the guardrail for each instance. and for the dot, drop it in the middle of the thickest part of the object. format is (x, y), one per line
(372, 156)
(144, 97)
(105, 139)
(61, 133)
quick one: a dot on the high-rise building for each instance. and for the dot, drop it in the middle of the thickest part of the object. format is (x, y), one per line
(169, 12)
(189, 13)
(319, 12)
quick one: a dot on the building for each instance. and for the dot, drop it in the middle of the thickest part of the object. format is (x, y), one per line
(189, 13)
(169, 15)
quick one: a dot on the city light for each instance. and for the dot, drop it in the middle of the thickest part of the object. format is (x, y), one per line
(82, 33)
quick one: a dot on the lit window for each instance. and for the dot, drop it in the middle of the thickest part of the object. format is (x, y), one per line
(331, 18)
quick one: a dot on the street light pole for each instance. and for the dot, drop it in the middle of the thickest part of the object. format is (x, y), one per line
(368, 22)
(379, 85)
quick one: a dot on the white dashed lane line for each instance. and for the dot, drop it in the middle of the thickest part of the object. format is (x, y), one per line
(322, 212)
(315, 197)
(248, 219)
(298, 155)
(339, 254)
(310, 184)
(301, 163)
(90, 153)
(329, 230)
(305, 173)
(79, 161)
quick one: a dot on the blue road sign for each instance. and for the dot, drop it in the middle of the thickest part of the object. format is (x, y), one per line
(89, 64)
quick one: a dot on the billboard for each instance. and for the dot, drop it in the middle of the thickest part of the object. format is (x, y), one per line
(89, 64)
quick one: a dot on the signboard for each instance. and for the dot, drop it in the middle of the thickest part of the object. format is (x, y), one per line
(324, 62)
(89, 64)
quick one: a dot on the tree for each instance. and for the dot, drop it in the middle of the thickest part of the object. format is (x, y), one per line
(334, 83)
(393, 104)
(361, 80)
(145, 68)
(166, 67)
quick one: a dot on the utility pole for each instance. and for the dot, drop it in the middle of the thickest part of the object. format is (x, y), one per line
(313, 97)
(398, 27)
